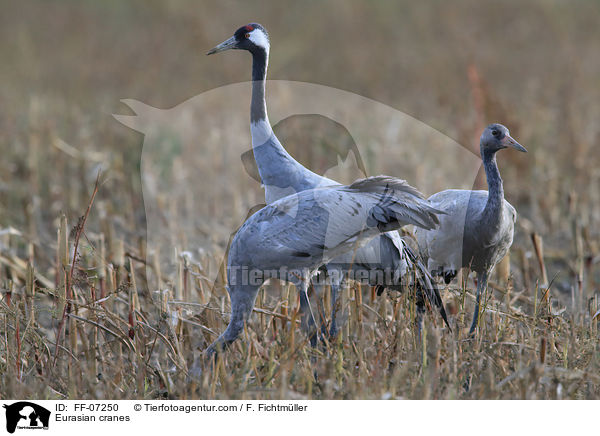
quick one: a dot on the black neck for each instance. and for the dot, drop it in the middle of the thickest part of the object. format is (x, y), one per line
(495, 202)
(258, 108)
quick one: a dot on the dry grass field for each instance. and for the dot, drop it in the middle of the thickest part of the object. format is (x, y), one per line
(113, 234)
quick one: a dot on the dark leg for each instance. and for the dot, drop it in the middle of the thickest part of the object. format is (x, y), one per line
(481, 287)
(336, 285)
(242, 303)
(308, 320)
(420, 309)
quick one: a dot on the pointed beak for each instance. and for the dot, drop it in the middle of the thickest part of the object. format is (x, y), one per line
(225, 45)
(510, 142)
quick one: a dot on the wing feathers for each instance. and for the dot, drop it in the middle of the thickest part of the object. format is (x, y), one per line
(399, 203)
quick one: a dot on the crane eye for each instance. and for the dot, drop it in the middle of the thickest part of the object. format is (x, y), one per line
(495, 132)
(247, 35)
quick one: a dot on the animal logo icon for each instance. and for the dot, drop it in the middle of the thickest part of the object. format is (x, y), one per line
(27, 415)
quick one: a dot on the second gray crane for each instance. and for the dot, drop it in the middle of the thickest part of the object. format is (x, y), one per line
(477, 228)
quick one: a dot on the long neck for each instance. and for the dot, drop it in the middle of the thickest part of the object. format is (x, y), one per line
(495, 201)
(258, 108)
(279, 171)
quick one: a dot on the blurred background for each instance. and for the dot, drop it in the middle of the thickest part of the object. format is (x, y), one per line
(454, 66)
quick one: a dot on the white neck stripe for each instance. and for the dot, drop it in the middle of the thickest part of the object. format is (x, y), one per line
(259, 38)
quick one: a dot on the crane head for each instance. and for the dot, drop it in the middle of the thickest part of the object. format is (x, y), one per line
(251, 37)
(496, 137)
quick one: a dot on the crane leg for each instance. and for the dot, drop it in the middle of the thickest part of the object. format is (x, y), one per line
(319, 285)
(336, 285)
(481, 286)
(308, 320)
(322, 313)
(336, 281)
(242, 303)
(420, 312)
(335, 291)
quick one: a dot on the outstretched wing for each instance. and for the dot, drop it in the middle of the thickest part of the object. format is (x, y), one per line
(314, 226)
(396, 201)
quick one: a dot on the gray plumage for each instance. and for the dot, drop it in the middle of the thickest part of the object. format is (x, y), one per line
(477, 229)
(292, 237)
(282, 175)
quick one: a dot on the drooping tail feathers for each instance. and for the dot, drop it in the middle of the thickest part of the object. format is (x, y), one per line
(426, 283)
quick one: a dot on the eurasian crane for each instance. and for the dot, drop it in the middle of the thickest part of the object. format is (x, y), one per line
(293, 236)
(477, 228)
(385, 256)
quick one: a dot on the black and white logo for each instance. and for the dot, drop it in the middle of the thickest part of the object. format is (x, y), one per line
(26, 415)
